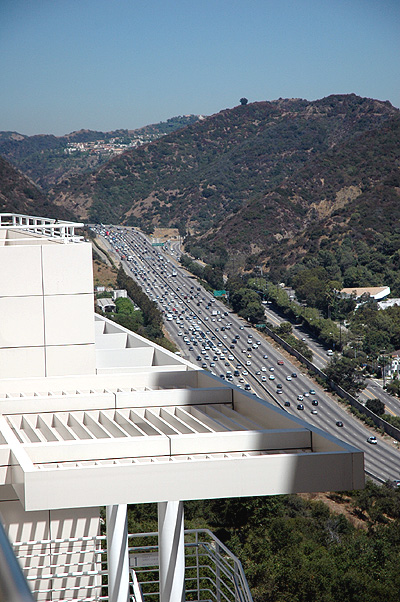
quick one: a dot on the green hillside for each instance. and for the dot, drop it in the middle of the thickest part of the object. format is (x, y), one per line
(19, 195)
(200, 176)
(49, 159)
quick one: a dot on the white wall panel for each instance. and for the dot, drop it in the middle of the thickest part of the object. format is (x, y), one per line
(67, 269)
(31, 359)
(69, 319)
(21, 321)
(20, 272)
(70, 359)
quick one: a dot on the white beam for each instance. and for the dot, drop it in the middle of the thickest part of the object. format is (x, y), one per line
(171, 546)
(117, 553)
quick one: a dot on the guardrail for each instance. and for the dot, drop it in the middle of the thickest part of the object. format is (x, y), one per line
(13, 585)
(212, 572)
(378, 421)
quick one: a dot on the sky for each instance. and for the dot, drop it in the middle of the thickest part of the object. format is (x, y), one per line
(108, 64)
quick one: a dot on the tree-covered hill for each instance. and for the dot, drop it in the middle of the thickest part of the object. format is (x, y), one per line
(18, 194)
(199, 176)
(48, 159)
(340, 211)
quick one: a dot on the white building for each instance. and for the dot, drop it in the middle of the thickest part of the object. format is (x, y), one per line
(93, 415)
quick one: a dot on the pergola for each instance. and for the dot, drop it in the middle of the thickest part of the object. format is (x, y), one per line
(132, 422)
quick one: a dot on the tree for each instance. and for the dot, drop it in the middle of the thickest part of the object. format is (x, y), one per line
(376, 406)
(243, 101)
(344, 372)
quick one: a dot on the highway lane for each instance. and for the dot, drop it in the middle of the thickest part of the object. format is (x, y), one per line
(200, 332)
(320, 359)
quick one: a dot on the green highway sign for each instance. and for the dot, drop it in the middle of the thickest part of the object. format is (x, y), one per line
(219, 293)
(157, 244)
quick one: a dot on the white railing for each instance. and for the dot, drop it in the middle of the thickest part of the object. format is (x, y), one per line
(41, 226)
(78, 569)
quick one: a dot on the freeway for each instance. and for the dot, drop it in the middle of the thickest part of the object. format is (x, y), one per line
(213, 338)
(374, 389)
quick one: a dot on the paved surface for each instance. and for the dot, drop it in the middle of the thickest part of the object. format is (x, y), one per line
(205, 330)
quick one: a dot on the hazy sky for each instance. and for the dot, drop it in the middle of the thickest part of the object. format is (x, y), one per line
(108, 64)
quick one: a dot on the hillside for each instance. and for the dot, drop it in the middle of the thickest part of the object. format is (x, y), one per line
(340, 210)
(200, 176)
(48, 159)
(19, 195)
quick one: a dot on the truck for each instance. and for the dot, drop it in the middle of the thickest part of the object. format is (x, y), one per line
(215, 312)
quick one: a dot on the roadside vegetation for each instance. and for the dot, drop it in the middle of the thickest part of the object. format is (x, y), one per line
(295, 549)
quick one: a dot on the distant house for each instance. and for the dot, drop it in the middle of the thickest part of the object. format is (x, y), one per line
(117, 294)
(374, 292)
(106, 304)
(365, 293)
(388, 303)
(393, 368)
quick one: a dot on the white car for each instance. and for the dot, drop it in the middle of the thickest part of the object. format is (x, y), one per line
(289, 378)
(263, 369)
(271, 377)
(248, 363)
(373, 440)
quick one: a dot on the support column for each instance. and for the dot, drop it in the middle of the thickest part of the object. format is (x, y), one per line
(117, 553)
(171, 545)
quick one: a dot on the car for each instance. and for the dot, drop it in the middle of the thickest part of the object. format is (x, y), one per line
(263, 378)
(312, 392)
(289, 378)
(294, 374)
(271, 377)
(373, 440)
(306, 394)
(265, 356)
(240, 327)
(339, 423)
(258, 372)
(300, 406)
(279, 386)
(212, 364)
(300, 398)
(280, 362)
(248, 363)
(247, 387)
(329, 352)
(313, 411)
(241, 380)
(244, 373)
(271, 369)
(279, 391)
(287, 404)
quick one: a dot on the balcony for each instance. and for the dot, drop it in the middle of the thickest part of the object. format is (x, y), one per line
(212, 572)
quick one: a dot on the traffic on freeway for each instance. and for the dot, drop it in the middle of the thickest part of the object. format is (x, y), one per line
(213, 338)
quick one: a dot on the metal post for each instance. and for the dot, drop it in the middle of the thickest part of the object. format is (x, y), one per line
(117, 553)
(217, 574)
(171, 545)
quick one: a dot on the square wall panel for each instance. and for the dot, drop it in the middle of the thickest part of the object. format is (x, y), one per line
(69, 319)
(21, 323)
(70, 359)
(20, 271)
(67, 268)
(22, 362)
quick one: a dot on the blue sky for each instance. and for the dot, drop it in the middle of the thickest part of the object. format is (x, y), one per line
(108, 64)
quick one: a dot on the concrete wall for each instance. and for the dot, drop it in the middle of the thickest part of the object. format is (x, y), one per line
(46, 306)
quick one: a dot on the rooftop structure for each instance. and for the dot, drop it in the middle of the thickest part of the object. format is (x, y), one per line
(375, 292)
(92, 415)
